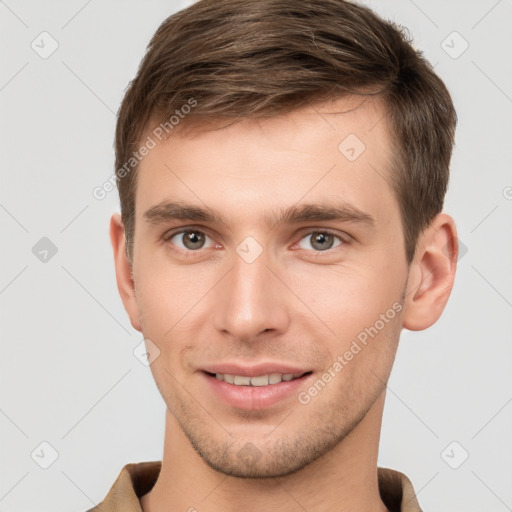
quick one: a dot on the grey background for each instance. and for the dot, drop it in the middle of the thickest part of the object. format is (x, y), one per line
(68, 374)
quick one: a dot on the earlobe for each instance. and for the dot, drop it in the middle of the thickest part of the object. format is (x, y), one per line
(432, 274)
(124, 277)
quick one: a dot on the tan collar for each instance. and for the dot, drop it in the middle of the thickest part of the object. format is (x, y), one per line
(137, 479)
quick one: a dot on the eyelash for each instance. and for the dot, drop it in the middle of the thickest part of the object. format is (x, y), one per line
(169, 235)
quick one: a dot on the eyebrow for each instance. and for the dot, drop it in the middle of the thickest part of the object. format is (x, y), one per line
(339, 211)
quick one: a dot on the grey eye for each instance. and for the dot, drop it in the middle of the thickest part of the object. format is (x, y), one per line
(320, 241)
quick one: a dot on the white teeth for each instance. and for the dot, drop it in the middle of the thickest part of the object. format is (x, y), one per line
(274, 378)
(260, 380)
(241, 381)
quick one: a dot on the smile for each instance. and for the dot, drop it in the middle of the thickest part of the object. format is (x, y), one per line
(257, 391)
(259, 380)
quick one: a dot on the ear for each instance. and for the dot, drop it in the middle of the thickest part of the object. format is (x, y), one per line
(124, 275)
(431, 274)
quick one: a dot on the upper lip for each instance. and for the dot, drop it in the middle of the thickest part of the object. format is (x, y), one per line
(253, 370)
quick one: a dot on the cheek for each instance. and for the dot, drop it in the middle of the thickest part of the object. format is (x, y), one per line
(171, 298)
(347, 298)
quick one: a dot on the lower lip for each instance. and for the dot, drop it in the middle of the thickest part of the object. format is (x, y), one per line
(254, 398)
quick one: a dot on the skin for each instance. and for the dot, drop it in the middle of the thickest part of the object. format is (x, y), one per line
(294, 304)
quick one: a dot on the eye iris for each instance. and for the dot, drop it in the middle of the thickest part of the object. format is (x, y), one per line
(324, 239)
(193, 240)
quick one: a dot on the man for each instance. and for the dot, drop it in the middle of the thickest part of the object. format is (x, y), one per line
(282, 168)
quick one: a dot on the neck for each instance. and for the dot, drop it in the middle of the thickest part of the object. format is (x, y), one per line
(344, 479)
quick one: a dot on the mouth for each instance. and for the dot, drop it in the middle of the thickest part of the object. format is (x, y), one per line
(258, 380)
(258, 391)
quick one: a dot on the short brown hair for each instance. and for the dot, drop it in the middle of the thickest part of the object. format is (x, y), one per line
(261, 58)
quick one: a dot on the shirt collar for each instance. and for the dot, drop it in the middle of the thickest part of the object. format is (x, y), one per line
(137, 479)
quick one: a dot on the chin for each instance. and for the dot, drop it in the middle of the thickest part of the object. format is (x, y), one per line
(280, 458)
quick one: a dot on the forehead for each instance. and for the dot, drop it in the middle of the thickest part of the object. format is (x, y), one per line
(335, 151)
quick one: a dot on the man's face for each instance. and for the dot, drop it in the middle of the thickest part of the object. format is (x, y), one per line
(253, 292)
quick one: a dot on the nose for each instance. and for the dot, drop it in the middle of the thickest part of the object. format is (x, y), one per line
(251, 300)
